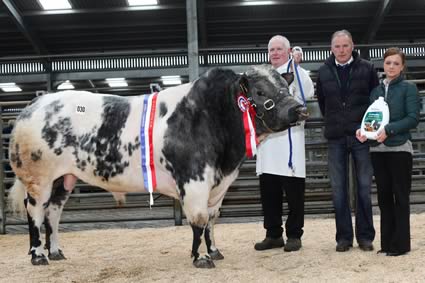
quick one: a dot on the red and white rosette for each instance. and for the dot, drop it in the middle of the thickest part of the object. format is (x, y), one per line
(248, 114)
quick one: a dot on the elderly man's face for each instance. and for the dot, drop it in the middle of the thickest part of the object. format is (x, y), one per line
(278, 53)
(342, 47)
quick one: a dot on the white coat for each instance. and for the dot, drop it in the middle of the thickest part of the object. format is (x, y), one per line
(273, 153)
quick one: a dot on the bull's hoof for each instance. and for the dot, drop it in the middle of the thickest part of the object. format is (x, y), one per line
(204, 262)
(57, 255)
(39, 260)
(216, 255)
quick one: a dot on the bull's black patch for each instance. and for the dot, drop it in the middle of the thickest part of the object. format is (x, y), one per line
(83, 165)
(53, 109)
(59, 193)
(87, 141)
(130, 147)
(49, 231)
(208, 241)
(51, 130)
(36, 155)
(34, 232)
(31, 200)
(205, 129)
(103, 141)
(49, 135)
(62, 129)
(162, 109)
(15, 156)
(107, 141)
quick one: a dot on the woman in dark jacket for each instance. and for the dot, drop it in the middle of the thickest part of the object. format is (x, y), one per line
(392, 154)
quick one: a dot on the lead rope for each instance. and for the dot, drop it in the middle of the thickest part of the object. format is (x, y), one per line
(295, 68)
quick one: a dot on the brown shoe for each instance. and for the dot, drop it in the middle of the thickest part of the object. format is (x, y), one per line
(269, 243)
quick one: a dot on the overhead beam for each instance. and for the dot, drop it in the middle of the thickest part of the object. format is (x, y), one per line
(382, 11)
(19, 21)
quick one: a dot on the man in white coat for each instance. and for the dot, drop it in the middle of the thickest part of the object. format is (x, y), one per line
(281, 159)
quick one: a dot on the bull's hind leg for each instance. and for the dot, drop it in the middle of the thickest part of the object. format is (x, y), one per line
(35, 206)
(62, 188)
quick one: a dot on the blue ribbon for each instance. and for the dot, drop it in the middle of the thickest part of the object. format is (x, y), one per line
(290, 164)
(142, 142)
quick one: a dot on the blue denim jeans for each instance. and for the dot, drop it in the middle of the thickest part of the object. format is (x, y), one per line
(338, 158)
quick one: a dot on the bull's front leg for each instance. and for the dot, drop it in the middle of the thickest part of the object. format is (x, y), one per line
(204, 261)
(212, 250)
(195, 205)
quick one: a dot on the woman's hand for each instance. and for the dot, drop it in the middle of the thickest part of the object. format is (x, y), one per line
(360, 137)
(382, 135)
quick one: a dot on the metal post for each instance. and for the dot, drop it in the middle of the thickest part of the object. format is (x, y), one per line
(178, 213)
(2, 190)
(193, 59)
(192, 39)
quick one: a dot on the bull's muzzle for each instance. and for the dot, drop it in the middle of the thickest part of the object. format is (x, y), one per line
(297, 114)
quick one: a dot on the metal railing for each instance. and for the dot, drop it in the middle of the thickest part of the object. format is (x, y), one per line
(137, 60)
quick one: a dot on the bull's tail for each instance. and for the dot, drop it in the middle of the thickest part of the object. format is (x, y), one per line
(16, 198)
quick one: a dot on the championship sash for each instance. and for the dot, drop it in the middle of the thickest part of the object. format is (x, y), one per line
(147, 150)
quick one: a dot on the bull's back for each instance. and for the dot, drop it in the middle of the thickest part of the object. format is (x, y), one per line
(78, 133)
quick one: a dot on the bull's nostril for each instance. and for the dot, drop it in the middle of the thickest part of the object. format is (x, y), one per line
(298, 113)
(302, 110)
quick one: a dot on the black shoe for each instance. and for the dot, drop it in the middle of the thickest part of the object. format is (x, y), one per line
(366, 246)
(292, 245)
(343, 246)
(269, 243)
(395, 253)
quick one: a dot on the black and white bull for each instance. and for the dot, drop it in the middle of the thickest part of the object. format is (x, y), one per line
(198, 138)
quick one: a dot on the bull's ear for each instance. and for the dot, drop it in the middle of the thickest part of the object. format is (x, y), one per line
(243, 84)
(289, 77)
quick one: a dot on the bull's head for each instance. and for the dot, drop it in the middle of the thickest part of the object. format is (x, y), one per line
(276, 110)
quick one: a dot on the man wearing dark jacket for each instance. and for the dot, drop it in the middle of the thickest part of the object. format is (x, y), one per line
(343, 87)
